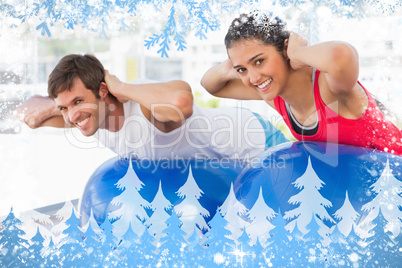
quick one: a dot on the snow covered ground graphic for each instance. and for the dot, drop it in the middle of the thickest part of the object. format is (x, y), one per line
(154, 232)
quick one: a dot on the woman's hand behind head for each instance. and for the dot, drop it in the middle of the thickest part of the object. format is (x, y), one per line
(295, 43)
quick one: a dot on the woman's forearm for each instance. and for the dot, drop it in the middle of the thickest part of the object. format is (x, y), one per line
(222, 81)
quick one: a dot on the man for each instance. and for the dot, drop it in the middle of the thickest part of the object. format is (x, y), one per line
(146, 119)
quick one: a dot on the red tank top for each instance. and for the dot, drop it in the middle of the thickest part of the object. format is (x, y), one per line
(371, 130)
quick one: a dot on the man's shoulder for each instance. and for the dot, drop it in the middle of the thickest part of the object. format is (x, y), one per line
(131, 107)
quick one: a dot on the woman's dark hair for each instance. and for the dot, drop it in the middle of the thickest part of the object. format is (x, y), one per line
(266, 28)
(389, 114)
(86, 67)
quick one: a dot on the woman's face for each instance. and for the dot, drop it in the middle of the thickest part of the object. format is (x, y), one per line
(260, 67)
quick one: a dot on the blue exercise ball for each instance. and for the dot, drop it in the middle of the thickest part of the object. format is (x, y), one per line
(313, 191)
(213, 179)
(304, 203)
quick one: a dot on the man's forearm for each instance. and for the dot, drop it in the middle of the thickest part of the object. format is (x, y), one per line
(38, 110)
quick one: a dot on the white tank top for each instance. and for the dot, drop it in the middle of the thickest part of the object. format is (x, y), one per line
(208, 133)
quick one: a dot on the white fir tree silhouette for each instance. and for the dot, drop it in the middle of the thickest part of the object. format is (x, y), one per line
(132, 205)
(94, 224)
(311, 203)
(62, 215)
(388, 199)
(260, 215)
(346, 216)
(232, 210)
(32, 220)
(157, 222)
(190, 210)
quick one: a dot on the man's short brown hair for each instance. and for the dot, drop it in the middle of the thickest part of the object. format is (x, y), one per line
(85, 67)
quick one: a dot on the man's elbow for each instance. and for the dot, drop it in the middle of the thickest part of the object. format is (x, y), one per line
(32, 123)
(184, 102)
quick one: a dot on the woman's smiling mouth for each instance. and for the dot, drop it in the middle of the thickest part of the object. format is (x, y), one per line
(264, 86)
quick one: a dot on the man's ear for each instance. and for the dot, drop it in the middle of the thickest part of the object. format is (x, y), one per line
(103, 91)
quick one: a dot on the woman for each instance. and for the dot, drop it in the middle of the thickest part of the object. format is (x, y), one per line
(314, 88)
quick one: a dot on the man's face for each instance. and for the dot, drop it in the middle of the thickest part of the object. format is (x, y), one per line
(80, 108)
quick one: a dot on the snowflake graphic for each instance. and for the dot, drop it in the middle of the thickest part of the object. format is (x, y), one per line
(186, 17)
(103, 16)
(329, 257)
(165, 252)
(239, 253)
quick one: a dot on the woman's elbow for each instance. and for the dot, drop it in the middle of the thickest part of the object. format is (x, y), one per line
(345, 67)
(204, 83)
(345, 58)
